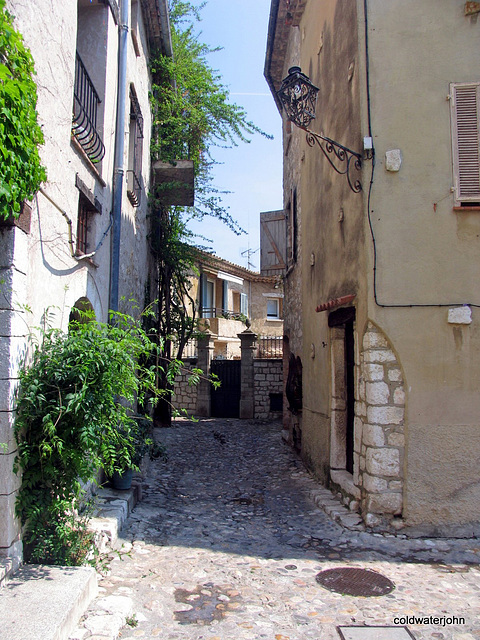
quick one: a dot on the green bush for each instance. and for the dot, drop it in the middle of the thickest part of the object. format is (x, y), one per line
(74, 415)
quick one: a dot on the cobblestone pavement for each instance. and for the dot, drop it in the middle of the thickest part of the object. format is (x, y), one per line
(227, 542)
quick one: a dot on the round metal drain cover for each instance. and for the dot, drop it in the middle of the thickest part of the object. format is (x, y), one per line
(351, 581)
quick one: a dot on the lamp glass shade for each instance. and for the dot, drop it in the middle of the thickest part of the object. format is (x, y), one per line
(298, 97)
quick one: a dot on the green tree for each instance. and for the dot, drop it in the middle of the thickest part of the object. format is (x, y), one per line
(21, 172)
(192, 115)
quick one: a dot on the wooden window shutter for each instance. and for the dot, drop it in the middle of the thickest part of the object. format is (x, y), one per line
(244, 304)
(465, 105)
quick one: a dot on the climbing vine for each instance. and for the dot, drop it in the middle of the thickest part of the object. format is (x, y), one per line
(21, 172)
(192, 114)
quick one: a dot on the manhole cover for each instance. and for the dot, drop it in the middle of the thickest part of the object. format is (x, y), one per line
(355, 582)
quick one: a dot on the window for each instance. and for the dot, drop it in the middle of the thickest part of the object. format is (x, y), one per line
(135, 150)
(292, 231)
(208, 297)
(273, 309)
(134, 30)
(90, 78)
(87, 206)
(465, 113)
(244, 304)
(85, 211)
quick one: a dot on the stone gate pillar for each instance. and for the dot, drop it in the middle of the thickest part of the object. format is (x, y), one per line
(247, 398)
(205, 355)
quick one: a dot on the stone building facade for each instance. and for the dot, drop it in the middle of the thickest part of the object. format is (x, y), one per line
(60, 254)
(381, 295)
(230, 297)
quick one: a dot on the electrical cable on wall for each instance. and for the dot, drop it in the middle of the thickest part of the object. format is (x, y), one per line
(370, 211)
(71, 243)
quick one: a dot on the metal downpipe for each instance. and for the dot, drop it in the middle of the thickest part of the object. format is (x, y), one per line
(118, 172)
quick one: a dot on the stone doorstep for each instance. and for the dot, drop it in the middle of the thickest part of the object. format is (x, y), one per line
(45, 602)
(324, 499)
(111, 513)
(68, 590)
(8, 566)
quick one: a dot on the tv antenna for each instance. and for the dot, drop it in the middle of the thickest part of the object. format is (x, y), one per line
(249, 253)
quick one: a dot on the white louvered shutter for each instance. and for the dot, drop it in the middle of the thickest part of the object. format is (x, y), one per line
(465, 101)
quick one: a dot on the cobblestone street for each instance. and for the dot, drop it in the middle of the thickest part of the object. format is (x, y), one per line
(228, 540)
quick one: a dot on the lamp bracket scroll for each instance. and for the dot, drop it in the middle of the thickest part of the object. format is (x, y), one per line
(298, 96)
(341, 158)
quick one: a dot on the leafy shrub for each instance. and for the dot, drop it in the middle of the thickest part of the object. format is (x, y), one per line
(74, 415)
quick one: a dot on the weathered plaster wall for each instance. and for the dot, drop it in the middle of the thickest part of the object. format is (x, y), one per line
(64, 280)
(37, 268)
(262, 325)
(13, 342)
(427, 254)
(292, 197)
(332, 215)
(134, 256)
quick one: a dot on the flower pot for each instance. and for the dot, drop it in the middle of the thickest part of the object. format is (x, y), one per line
(122, 480)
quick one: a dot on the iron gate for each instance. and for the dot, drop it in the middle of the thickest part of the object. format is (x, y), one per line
(225, 401)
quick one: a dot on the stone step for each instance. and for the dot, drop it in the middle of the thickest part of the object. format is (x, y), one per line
(45, 602)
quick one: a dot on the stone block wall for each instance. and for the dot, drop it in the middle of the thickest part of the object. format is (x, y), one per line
(268, 378)
(379, 432)
(186, 395)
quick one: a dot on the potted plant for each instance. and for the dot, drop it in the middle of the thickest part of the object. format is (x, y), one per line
(142, 444)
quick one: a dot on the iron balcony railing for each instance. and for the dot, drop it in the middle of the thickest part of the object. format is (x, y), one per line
(216, 312)
(85, 109)
(134, 188)
(269, 347)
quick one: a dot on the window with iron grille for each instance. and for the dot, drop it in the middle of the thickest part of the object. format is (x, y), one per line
(135, 150)
(84, 220)
(85, 114)
(465, 111)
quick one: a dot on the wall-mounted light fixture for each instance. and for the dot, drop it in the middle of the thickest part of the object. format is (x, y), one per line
(298, 96)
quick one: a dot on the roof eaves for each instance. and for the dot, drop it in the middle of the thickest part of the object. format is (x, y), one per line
(234, 269)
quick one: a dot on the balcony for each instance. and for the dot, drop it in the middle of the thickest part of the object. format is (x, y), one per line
(175, 182)
(225, 324)
(85, 110)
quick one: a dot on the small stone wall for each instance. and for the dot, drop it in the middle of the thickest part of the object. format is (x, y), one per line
(186, 395)
(379, 432)
(268, 378)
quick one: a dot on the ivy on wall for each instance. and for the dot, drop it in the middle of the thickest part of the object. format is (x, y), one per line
(21, 172)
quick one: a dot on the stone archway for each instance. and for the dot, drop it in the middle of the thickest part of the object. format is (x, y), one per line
(82, 311)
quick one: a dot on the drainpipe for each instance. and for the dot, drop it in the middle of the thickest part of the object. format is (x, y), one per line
(118, 171)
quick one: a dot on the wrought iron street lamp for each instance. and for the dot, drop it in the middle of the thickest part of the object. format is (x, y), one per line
(299, 96)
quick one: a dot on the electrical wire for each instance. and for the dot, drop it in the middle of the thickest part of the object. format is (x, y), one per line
(369, 198)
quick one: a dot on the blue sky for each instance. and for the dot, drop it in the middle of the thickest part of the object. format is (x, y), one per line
(252, 172)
